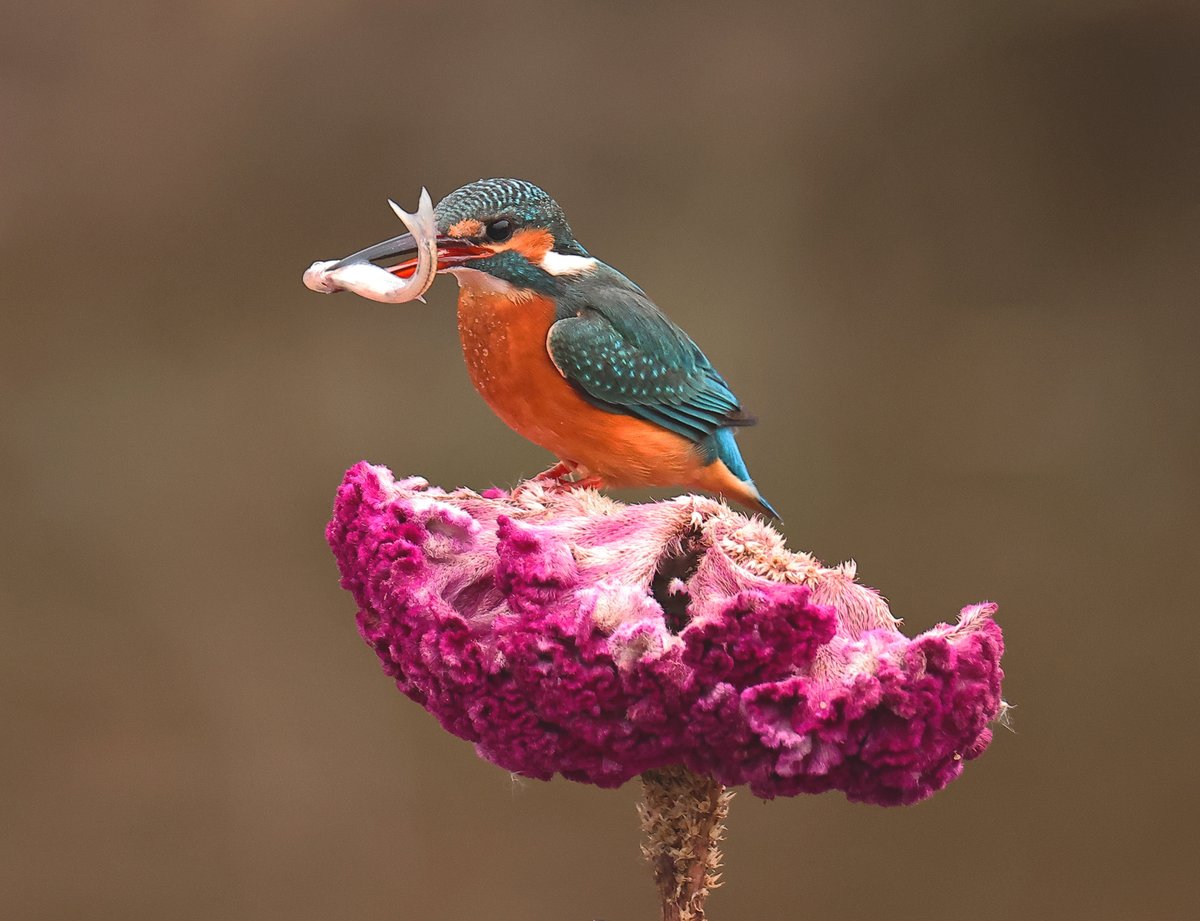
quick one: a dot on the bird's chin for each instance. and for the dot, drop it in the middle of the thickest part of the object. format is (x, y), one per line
(476, 281)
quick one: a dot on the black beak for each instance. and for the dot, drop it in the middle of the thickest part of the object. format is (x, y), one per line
(452, 251)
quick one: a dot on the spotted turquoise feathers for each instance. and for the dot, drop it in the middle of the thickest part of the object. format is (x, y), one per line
(624, 355)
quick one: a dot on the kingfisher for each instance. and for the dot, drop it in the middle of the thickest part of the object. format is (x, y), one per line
(573, 355)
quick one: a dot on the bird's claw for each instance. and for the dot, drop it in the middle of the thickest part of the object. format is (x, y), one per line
(557, 473)
(557, 479)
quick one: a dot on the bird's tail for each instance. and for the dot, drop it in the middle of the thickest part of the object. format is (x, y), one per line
(728, 475)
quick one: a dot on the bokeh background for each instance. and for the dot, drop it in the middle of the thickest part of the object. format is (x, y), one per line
(946, 251)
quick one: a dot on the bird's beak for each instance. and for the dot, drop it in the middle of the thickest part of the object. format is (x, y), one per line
(401, 251)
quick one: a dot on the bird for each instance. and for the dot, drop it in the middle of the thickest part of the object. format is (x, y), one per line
(573, 355)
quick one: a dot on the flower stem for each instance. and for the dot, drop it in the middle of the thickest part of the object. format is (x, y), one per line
(683, 819)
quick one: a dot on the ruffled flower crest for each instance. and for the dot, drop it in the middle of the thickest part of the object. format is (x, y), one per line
(563, 632)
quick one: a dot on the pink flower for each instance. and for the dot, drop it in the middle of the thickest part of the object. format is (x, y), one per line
(563, 632)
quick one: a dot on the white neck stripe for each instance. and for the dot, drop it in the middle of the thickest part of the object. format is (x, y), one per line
(565, 264)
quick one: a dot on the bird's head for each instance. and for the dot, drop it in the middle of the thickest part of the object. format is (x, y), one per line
(508, 229)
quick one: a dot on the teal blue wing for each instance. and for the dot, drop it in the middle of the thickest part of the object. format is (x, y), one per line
(624, 355)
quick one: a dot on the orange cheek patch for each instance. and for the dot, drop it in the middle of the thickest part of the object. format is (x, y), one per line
(532, 244)
(468, 227)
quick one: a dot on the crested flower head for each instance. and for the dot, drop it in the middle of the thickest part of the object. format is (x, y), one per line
(563, 632)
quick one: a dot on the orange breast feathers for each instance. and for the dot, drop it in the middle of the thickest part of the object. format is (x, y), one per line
(504, 344)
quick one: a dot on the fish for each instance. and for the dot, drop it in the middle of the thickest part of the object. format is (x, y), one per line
(376, 283)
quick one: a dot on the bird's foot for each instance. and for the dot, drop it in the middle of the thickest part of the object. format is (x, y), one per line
(554, 480)
(558, 478)
(557, 473)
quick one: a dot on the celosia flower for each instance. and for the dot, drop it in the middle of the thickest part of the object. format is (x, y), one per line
(563, 632)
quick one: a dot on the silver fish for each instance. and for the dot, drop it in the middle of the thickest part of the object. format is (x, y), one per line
(376, 283)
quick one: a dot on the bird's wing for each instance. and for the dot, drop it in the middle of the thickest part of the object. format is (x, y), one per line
(625, 356)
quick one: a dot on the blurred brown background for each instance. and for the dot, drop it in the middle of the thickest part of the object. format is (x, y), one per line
(947, 252)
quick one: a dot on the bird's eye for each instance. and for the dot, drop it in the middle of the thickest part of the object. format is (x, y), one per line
(500, 230)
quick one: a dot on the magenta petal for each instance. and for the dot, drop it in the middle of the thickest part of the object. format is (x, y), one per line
(533, 625)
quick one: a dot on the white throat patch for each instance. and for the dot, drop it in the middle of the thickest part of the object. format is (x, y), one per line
(486, 283)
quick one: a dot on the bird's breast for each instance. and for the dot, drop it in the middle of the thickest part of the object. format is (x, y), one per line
(504, 345)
